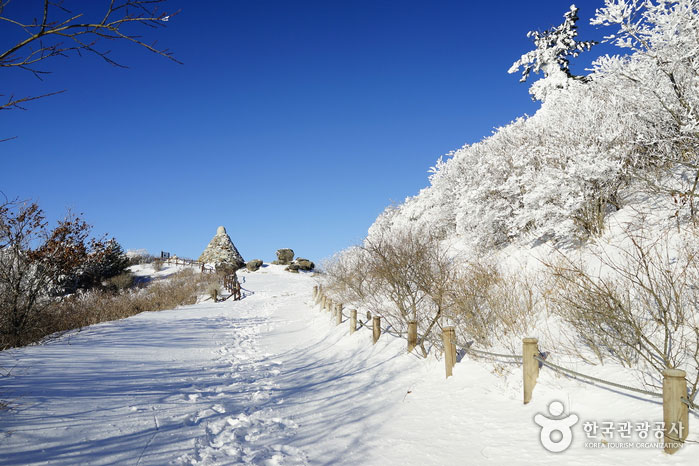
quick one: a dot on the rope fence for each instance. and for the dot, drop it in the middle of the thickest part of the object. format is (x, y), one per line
(477, 352)
(676, 402)
(579, 375)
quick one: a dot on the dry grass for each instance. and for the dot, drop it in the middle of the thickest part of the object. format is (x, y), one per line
(490, 307)
(83, 309)
(213, 291)
(157, 265)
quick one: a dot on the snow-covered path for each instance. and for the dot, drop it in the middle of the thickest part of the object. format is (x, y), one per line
(210, 383)
(270, 380)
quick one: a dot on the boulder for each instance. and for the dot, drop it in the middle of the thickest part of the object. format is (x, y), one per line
(305, 264)
(293, 268)
(221, 250)
(253, 265)
(284, 256)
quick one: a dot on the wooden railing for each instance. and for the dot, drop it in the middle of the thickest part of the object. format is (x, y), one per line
(676, 403)
(205, 268)
(229, 281)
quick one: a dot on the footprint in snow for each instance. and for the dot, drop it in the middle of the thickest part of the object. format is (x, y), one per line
(194, 419)
(218, 408)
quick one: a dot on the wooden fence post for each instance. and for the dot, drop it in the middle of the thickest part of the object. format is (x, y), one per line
(530, 366)
(323, 302)
(448, 337)
(376, 327)
(331, 305)
(338, 314)
(675, 412)
(315, 291)
(353, 321)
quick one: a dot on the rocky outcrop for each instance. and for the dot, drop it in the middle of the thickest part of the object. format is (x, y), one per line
(293, 268)
(305, 264)
(253, 265)
(284, 256)
(300, 264)
(221, 250)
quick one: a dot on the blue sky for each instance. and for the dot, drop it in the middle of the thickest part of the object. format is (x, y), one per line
(291, 123)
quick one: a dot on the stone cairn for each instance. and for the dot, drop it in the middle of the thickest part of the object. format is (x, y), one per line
(222, 252)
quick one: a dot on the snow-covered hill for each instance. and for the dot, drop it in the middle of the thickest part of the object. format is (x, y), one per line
(628, 126)
(271, 380)
(576, 225)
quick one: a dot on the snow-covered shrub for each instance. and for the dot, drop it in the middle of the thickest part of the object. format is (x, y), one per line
(412, 276)
(346, 277)
(637, 304)
(472, 312)
(400, 275)
(397, 273)
(491, 307)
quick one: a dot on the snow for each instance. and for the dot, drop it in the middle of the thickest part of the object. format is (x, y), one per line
(166, 269)
(271, 380)
(137, 253)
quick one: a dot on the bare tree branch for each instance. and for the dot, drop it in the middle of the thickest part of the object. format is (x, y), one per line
(56, 36)
(15, 103)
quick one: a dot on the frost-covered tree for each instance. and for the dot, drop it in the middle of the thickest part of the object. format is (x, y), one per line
(555, 176)
(554, 49)
(659, 83)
